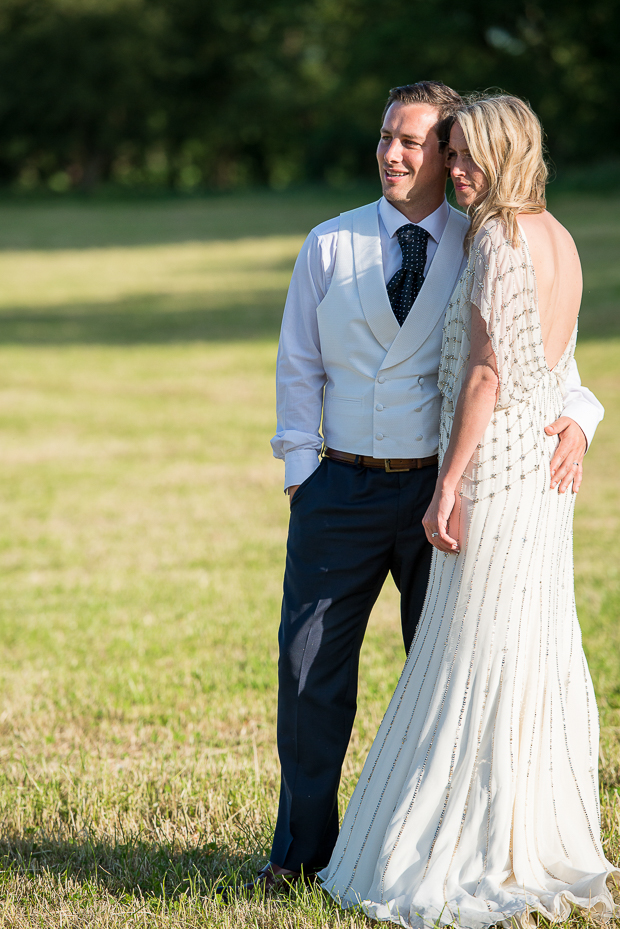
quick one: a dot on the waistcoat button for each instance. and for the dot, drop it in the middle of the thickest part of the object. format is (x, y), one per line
(418, 409)
(421, 381)
(419, 438)
(379, 407)
(381, 379)
(379, 436)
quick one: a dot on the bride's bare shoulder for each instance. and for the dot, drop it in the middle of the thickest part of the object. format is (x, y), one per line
(543, 229)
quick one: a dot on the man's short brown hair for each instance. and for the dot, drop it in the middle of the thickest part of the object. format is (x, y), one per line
(434, 93)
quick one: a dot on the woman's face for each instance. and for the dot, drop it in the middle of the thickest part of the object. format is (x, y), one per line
(470, 183)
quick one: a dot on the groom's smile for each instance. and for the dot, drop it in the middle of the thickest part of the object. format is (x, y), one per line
(411, 165)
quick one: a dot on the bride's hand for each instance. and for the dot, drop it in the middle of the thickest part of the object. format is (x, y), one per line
(436, 518)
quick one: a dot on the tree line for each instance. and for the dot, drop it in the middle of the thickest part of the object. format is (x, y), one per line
(226, 93)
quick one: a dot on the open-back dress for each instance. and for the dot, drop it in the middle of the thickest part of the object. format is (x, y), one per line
(478, 803)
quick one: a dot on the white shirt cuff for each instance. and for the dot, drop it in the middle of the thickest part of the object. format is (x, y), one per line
(299, 465)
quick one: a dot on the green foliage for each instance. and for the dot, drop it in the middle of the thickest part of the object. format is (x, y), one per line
(226, 93)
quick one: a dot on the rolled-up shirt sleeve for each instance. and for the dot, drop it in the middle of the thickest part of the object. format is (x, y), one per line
(581, 404)
(300, 377)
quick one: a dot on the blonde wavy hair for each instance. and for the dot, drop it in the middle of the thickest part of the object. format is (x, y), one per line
(504, 137)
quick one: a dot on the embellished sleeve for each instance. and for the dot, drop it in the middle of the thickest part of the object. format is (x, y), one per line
(503, 290)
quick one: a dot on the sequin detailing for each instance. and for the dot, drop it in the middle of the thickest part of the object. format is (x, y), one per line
(478, 803)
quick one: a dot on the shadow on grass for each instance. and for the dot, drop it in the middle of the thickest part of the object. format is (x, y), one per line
(147, 320)
(71, 224)
(164, 319)
(129, 866)
(600, 321)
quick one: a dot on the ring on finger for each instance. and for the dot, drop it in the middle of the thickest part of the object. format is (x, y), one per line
(433, 534)
(576, 463)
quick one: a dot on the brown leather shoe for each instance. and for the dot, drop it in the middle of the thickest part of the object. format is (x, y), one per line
(270, 879)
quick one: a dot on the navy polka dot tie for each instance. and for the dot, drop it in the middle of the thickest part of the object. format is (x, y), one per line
(406, 283)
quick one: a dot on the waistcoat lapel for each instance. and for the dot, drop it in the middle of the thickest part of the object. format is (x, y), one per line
(368, 268)
(436, 291)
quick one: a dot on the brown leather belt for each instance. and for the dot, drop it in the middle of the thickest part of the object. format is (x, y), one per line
(387, 464)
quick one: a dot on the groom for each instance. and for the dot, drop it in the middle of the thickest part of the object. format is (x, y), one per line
(358, 359)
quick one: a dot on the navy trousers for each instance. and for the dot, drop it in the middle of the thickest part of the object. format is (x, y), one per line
(349, 527)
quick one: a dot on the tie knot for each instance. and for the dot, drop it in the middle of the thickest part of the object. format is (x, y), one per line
(412, 240)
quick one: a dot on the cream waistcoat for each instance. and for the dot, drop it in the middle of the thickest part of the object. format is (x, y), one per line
(381, 395)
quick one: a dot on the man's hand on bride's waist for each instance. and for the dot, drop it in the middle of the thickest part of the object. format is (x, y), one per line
(566, 464)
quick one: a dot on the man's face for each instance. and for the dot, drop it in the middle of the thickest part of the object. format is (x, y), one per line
(411, 165)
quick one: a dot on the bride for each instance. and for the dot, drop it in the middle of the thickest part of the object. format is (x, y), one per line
(478, 803)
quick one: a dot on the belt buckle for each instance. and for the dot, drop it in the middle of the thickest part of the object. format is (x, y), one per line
(390, 469)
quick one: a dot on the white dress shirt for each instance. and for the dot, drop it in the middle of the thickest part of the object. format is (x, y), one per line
(300, 373)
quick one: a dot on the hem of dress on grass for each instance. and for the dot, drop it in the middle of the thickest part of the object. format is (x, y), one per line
(601, 909)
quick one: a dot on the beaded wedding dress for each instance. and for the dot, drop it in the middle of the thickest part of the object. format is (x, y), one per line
(478, 803)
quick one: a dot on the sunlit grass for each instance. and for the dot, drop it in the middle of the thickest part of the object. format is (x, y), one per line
(142, 531)
(214, 270)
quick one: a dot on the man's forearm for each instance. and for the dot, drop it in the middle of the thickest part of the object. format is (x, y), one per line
(299, 448)
(300, 376)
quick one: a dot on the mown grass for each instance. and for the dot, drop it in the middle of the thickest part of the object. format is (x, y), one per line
(142, 530)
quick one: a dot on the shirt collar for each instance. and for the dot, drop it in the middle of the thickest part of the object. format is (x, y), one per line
(434, 223)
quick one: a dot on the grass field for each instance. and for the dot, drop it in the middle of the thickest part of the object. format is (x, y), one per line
(142, 531)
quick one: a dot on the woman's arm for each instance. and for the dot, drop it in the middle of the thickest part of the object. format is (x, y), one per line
(473, 412)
